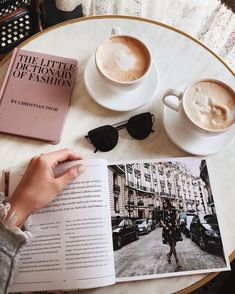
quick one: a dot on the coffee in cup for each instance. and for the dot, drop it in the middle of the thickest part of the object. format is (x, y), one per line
(206, 105)
(123, 61)
(123, 58)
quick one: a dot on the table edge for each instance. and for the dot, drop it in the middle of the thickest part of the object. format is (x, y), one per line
(87, 18)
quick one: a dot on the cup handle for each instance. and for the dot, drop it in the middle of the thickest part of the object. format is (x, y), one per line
(170, 104)
(116, 31)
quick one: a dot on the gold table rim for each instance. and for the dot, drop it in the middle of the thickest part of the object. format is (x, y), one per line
(87, 18)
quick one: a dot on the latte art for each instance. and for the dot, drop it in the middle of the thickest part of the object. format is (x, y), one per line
(123, 58)
(210, 105)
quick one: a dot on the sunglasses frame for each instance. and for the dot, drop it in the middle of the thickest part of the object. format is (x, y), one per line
(119, 126)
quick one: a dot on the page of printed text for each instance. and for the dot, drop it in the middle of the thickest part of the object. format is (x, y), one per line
(72, 244)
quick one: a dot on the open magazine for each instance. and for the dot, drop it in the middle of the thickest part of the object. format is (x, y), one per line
(106, 226)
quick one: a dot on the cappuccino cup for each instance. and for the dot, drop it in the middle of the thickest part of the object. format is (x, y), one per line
(205, 106)
(123, 61)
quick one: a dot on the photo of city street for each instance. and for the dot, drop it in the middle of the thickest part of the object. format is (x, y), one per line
(151, 201)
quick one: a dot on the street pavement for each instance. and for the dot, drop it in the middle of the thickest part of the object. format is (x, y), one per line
(147, 256)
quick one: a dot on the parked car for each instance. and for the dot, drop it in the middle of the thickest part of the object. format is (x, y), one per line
(124, 230)
(152, 224)
(182, 219)
(188, 221)
(204, 230)
(144, 226)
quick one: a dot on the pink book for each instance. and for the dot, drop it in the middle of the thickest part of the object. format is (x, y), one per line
(35, 95)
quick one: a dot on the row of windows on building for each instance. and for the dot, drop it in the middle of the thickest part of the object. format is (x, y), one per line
(137, 189)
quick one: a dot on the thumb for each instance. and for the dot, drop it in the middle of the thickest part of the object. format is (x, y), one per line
(70, 175)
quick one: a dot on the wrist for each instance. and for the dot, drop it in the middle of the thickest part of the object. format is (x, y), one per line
(16, 215)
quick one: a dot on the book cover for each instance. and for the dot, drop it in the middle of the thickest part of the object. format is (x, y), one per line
(35, 95)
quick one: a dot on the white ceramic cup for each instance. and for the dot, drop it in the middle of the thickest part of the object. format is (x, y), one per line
(180, 107)
(120, 85)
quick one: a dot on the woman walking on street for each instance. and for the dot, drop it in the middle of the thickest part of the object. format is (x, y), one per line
(170, 233)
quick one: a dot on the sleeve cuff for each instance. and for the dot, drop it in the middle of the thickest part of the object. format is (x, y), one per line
(10, 223)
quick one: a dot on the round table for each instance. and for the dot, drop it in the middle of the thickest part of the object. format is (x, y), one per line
(180, 59)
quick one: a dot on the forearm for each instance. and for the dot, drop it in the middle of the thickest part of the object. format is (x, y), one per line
(10, 246)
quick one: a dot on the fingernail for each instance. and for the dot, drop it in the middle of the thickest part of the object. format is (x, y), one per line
(81, 168)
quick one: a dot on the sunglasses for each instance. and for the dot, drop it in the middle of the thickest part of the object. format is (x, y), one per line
(105, 138)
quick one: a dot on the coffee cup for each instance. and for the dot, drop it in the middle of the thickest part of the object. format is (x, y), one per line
(206, 106)
(123, 61)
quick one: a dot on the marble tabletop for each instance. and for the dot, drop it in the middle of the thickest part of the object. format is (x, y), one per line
(180, 59)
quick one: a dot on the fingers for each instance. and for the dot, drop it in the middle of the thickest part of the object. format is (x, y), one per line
(53, 158)
(70, 175)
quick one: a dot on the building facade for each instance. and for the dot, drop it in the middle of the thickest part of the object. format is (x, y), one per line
(205, 177)
(137, 190)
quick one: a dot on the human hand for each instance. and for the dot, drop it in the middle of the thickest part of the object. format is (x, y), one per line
(38, 186)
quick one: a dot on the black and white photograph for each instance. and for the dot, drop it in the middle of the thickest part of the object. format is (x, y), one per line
(164, 219)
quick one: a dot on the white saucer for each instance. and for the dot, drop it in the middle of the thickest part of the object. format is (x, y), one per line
(193, 142)
(129, 100)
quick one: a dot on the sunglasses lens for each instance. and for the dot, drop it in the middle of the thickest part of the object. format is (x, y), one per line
(104, 138)
(140, 126)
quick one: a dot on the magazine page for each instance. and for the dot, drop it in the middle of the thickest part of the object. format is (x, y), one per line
(72, 246)
(164, 219)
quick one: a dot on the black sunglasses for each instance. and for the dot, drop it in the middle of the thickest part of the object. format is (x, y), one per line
(105, 138)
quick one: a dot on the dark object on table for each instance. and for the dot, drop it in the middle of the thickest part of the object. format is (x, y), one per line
(18, 21)
(230, 4)
(223, 283)
(105, 138)
(52, 15)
